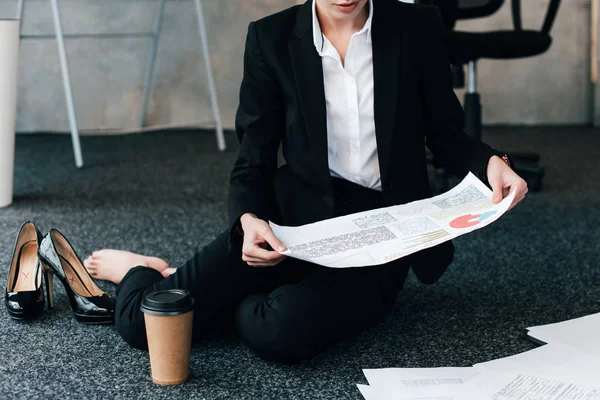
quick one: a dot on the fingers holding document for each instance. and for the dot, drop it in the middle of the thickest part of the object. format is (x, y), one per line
(504, 181)
(261, 247)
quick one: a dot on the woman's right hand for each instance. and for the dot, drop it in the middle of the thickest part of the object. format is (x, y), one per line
(260, 243)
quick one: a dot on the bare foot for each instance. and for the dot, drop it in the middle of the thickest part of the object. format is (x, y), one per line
(112, 265)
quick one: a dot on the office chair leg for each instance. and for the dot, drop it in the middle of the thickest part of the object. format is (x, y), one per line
(473, 104)
(209, 75)
(152, 61)
(62, 55)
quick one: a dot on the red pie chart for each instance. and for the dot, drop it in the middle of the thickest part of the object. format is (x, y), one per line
(469, 220)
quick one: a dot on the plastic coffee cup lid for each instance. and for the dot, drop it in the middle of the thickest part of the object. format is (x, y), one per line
(168, 302)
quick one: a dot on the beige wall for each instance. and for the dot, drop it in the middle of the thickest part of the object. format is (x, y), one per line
(107, 75)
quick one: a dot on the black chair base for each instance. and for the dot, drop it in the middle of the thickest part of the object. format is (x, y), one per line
(530, 171)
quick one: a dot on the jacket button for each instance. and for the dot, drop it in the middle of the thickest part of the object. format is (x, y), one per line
(387, 189)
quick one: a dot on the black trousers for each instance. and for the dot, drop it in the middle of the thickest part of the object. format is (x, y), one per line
(286, 313)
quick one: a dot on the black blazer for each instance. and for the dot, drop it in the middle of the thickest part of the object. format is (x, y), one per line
(282, 101)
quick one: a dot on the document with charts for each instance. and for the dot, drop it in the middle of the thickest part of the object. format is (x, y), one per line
(386, 234)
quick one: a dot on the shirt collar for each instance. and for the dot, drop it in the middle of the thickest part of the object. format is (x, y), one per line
(318, 34)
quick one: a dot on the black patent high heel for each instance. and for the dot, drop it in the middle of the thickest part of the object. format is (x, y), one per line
(49, 281)
(24, 297)
(90, 304)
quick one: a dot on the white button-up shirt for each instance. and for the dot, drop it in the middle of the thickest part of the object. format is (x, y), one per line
(351, 142)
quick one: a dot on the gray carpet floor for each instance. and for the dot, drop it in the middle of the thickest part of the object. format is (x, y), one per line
(163, 194)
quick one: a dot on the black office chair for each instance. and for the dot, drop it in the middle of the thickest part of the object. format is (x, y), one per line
(468, 47)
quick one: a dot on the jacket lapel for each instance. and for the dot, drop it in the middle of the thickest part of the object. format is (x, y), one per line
(308, 73)
(387, 49)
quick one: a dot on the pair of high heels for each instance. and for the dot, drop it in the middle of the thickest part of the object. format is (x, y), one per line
(35, 256)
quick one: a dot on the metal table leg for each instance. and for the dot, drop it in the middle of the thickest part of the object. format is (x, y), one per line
(67, 84)
(150, 68)
(209, 75)
(20, 13)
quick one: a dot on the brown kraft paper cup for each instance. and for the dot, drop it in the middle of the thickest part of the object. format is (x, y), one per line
(168, 318)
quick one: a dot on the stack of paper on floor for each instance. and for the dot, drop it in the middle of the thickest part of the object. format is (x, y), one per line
(582, 333)
(555, 371)
(551, 372)
(443, 392)
(556, 360)
(420, 383)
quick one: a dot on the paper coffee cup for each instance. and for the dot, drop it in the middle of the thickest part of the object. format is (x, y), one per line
(168, 317)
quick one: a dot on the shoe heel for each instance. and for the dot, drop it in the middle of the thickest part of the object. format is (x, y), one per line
(90, 304)
(49, 279)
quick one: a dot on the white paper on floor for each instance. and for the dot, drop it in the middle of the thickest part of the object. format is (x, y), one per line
(406, 378)
(523, 386)
(554, 360)
(464, 391)
(567, 368)
(582, 333)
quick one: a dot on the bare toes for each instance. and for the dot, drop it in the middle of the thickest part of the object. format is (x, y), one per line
(157, 263)
(168, 272)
